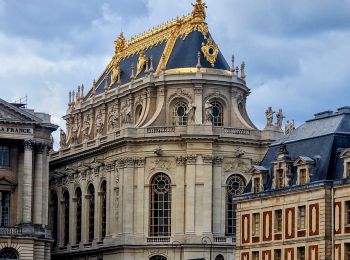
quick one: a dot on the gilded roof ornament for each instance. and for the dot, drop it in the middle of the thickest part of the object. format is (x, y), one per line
(141, 62)
(115, 74)
(199, 10)
(119, 44)
(210, 51)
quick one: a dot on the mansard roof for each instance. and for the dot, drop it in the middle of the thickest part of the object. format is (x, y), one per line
(320, 139)
(174, 45)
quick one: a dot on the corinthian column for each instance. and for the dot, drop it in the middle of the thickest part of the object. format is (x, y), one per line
(38, 184)
(27, 181)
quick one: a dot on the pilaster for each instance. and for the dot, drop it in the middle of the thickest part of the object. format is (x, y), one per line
(38, 184)
(27, 181)
(190, 194)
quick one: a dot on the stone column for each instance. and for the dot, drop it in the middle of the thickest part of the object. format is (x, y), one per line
(20, 189)
(45, 184)
(38, 184)
(27, 181)
(198, 101)
(128, 196)
(179, 199)
(218, 211)
(109, 198)
(139, 194)
(190, 194)
(207, 171)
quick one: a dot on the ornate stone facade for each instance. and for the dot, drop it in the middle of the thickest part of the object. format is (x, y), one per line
(172, 141)
(25, 142)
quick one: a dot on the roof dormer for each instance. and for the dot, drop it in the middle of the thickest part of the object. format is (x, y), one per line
(259, 178)
(304, 167)
(345, 155)
(282, 169)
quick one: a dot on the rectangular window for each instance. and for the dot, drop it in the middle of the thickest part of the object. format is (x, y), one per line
(301, 217)
(347, 213)
(277, 255)
(4, 208)
(256, 224)
(280, 179)
(256, 184)
(301, 253)
(302, 177)
(4, 156)
(255, 255)
(347, 252)
(278, 221)
(347, 170)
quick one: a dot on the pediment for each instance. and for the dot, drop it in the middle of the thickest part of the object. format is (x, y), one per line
(11, 113)
(303, 160)
(256, 169)
(6, 182)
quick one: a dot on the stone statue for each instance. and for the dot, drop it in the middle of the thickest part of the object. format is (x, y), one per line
(75, 130)
(191, 114)
(141, 62)
(279, 117)
(86, 129)
(126, 113)
(208, 112)
(99, 123)
(113, 118)
(269, 117)
(63, 139)
(289, 127)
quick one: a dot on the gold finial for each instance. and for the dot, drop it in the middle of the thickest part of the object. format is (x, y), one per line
(119, 43)
(199, 10)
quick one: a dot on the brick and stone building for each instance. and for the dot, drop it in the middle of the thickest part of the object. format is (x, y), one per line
(297, 202)
(154, 152)
(25, 140)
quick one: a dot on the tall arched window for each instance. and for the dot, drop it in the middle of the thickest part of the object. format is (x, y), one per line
(91, 196)
(158, 257)
(217, 113)
(4, 208)
(180, 113)
(103, 210)
(78, 196)
(54, 216)
(235, 185)
(160, 215)
(65, 217)
(8, 253)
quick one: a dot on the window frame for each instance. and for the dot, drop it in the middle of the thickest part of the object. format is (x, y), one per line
(178, 120)
(91, 212)
(256, 225)
(79, 215)
(217, 121)
(5, 155)
(278, 221)
(301, 221)
(301, 253)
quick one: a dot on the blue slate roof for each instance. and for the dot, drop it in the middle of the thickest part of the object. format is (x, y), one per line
(321, 139)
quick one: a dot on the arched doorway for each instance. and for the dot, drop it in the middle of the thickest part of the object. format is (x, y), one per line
(8, 253)
(158, 257)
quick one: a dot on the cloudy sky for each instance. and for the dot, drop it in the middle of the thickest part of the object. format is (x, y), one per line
(297, 52)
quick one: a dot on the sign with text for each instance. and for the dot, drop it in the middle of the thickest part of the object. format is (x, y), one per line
(15, 130)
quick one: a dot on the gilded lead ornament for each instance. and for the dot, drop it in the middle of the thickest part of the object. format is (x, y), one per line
(210, 51)
(141, 63)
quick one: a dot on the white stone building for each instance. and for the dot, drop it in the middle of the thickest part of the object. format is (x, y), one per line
(155, 151)
(25, 140)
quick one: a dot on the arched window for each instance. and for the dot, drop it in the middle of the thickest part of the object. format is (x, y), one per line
(217, 113)
(54, 216)
(180, 113)
(160, 215)
(4, 156)
(219, 257)
(8, 253)
(91, 196)
(78, 196)
(138, 112)
(103, 209)
(158, 257)
(65, 217)
(235, 185)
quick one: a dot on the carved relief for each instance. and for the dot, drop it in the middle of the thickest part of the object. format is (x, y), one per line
(87, 127)
(160, 164)
(99, 123)
(126, 113)
(113, 117)
(241, 165)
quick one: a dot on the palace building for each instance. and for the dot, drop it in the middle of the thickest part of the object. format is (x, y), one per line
(297, 203)
(25, 142)
(155, 151)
